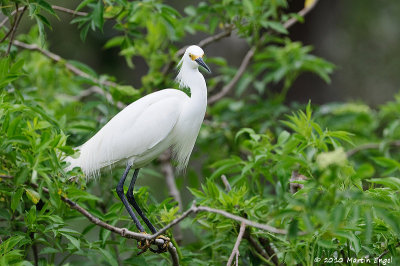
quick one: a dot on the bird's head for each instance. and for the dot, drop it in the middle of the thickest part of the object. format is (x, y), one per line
(193, 57)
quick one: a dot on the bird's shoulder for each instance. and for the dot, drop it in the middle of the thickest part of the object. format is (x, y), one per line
(161, 95)
(166, 97)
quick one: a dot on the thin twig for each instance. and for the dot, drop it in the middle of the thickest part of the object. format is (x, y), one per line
(249, 55)
(116, 250)
(268, 253)
(370, 146)
(384, 253)
(203, 43)
(97, 90)
(302, 13)
(70, 11)
(35, 253)
(235, 251)
(12, 25)
(77, 71)
(9, 31)
(59, 8)
(112, 236)
(6, 176)
(14, 30)
(243, 66)
(57, 58)
(168, 171)
(271, 252)
(258, 248)
(226, 183)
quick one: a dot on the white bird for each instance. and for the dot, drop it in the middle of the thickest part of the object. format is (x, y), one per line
(147, 127)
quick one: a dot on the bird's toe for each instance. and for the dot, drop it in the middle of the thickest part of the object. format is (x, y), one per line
(163, 247)
(144, 244)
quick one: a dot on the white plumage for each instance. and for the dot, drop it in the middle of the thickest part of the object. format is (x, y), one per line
(147, 127)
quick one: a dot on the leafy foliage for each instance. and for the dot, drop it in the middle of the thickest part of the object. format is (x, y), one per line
(330, 177)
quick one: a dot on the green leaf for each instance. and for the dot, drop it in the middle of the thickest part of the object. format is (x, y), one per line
(293, 228)
(283, 137)
(43, 20)
(84, 31)
(355, 241)
(392, 182)
(190, 10)
(98, 18)
(109, 258)
(276, 26)
(49, 250)
(42, 33)
(15, 200)
(83, 4)
(248, 5)
(47, 7)
(75, 242)
(7, 245)
(78, 194)
(116, 41)
(32, 195)
(387, 162)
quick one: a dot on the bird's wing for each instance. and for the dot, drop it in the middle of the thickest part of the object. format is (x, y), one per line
(135, 130)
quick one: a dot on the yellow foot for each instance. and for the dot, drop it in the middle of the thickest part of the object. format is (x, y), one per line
(144, 245)
(164, 247)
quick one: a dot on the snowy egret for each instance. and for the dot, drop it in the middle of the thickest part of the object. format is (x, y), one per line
(146, 128)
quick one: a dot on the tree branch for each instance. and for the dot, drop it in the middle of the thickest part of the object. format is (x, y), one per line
(384, 253)
(235, 251)
(203, 43)
(196, 209)
(12, 25)
(6, 176)
(69, 11)
(249, 55)
(302, 13)
(121, 231)
(258, 248)
(268, 253)
(138, 236)
(59, 8)
(57, 58)
(76, 71)
(243, 66)
(168, 171)
(226, 183)
(370, 146)
(14, 28)
(97, 90)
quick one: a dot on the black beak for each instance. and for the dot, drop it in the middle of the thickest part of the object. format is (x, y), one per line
(200, 61)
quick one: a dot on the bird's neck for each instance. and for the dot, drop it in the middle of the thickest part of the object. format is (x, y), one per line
(194, 80)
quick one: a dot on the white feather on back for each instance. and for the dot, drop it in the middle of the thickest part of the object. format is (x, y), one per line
(136, 130)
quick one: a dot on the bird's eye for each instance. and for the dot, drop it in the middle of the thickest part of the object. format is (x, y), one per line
(192, 56)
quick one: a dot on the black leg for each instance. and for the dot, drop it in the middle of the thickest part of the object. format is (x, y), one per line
(132, 201)
(120, 192)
